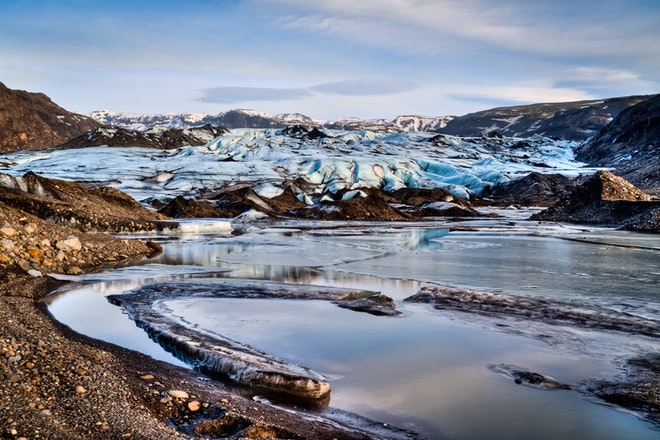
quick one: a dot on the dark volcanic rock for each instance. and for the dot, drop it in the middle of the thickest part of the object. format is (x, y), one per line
(567, 120)
(239, 199)
(370, 208)
(162, 139)
(378, 305)
(606, 199)
(31, 121)
(180, 207)
(630, 144)
(87, 209)
(535, 189)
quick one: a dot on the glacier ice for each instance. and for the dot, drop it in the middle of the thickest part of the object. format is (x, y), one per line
(343, 160)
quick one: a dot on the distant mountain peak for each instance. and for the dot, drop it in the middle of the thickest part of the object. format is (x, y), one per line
(248, 118)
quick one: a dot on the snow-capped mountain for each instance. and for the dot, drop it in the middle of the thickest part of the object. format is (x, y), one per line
(255, 119)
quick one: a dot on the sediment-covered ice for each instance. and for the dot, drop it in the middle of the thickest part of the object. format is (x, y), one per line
(533, 309)
(216, 354)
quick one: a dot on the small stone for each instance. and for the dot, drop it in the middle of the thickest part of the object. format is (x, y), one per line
(80, 389)
(7, 230)
(30, 228)
(74, 270)
(7, 244)
(71, 243)
(34, 273)
(167, 399)
(178, 394)
(46, 412)
(194, 406)
(147, 377)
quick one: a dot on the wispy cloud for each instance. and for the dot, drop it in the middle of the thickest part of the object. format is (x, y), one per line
(559, 28)
(354, 87)
(523, 94)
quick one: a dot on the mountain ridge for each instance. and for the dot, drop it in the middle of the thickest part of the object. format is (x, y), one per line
(32, 121)
(574, 120)
(246, 118)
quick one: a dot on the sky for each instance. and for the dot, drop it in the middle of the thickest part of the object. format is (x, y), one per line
(328, 58)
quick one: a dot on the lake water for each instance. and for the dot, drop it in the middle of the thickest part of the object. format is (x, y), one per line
(426, 370)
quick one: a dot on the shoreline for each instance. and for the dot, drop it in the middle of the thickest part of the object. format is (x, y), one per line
(64, 385)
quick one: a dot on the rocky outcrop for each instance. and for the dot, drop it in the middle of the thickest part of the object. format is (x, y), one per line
(535, 189)
(606, 199)
(31, 121)
(365, 204)
(567, 120)
(630, 145)
(75, 205)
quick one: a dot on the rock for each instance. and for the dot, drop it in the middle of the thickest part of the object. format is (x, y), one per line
(178, 394)
(194, 406)
(7, 230)
(180, 207)
(603, 199)
(535, 189)
(34, 273)
(80, 389)
(147, 377)
(378, 305)
(71, 243)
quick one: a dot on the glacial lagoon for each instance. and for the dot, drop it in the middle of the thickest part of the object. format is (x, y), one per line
(431, 371)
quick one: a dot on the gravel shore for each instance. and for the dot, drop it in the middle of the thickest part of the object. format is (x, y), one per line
(61, 385)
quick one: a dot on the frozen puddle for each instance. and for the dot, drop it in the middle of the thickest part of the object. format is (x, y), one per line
(151, 307)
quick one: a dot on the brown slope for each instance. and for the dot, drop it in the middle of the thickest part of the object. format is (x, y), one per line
(31, 121)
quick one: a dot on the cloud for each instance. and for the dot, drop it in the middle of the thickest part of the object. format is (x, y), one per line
(560, 28)
(231, 95)
(523, 94)
(354, 87)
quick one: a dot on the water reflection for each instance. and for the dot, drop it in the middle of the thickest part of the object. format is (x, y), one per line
(426, 371)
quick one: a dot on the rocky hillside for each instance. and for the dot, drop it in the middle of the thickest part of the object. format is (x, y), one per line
(577, 120)
(606, 199)
(31, 121)
(630, 144)
(154, 138)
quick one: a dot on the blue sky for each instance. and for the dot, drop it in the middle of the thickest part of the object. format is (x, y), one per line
(328, 58)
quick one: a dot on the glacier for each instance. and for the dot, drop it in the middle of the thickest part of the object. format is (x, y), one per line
(270, 159)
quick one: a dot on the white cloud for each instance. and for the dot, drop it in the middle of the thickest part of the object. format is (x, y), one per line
(560, 28)
(523, 94)
(354, 87)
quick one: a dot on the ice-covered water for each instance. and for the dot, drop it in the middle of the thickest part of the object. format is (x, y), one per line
(427, 369)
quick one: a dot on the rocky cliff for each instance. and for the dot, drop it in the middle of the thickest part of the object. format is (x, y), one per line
(630, 145)
(31, 121)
